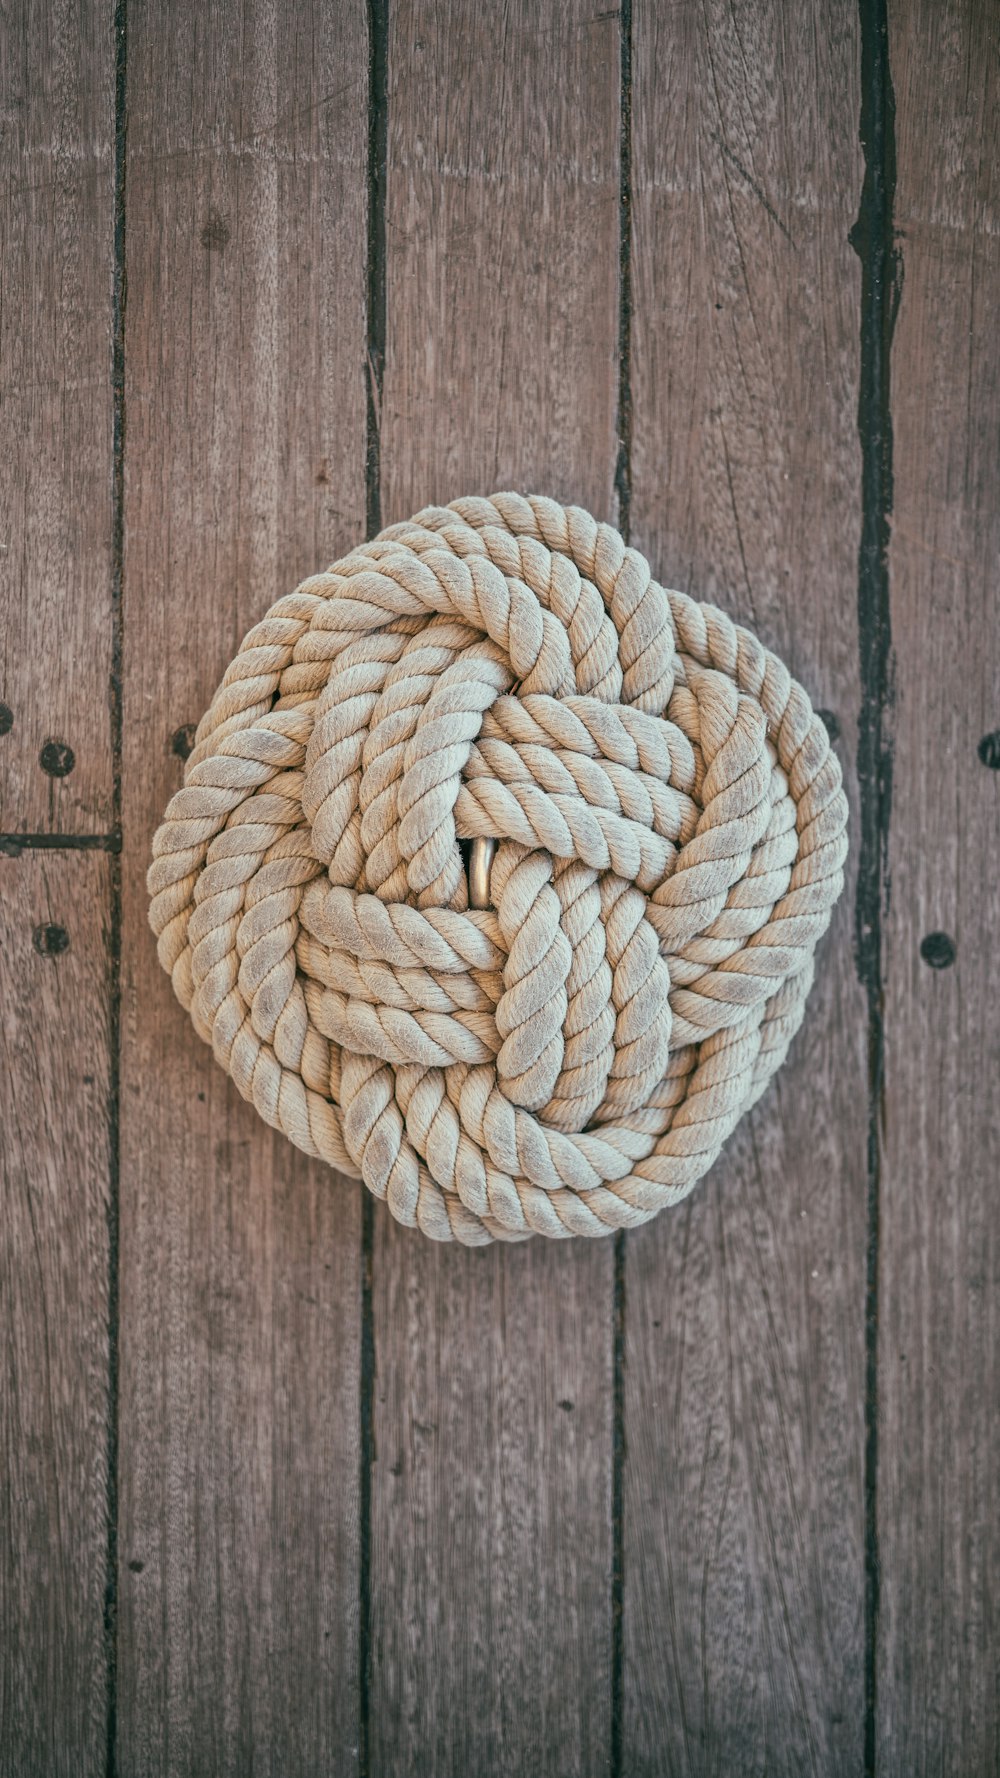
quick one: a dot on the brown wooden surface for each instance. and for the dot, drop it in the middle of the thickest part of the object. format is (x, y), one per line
(939, 1251)
(54, 1286)
(284, 1488)
(491, 1525)
(240, 1262)
(744, 1564)
(57, 192)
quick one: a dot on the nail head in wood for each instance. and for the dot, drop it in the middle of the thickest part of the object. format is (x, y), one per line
(57, 758)
(50, 940)
(182, 740)
(989, 750)
(938, 950)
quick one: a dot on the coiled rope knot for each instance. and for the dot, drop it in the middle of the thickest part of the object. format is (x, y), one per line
(671, 835)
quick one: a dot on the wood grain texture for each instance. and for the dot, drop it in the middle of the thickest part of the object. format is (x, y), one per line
(54, 1271)
(240, 1261)
(939, 1273)
(743, 1514)
(232, 1634)
(56, 226)
(502, 254)
(491, 1494)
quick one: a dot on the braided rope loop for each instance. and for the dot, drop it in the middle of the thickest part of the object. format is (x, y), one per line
(671, 835)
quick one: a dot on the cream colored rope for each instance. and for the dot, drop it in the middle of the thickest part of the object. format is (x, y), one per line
(671, 830)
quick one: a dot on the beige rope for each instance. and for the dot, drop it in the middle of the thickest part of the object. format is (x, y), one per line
(671, 831)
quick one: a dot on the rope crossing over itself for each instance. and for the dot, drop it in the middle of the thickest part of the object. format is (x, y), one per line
(671, 839)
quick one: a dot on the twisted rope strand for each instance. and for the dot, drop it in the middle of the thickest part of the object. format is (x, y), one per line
(672, 835)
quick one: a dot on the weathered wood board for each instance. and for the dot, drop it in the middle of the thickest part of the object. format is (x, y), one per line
(939, 1248)
(284, 1487)
(54, 1291)
(240, 1262)
(57, 170)
(491, 1492)
(743, 1517)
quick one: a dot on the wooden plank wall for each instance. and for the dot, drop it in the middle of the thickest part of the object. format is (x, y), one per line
(284, 1487)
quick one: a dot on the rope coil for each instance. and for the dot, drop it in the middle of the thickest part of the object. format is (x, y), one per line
(566, 1050)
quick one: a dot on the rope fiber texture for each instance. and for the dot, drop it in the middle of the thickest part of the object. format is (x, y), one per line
(672, 834)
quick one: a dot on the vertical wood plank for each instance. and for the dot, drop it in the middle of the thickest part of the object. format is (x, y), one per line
(491, 1493)
(56, 227)
(744, 1348)
(939, 1274)
(240, 1274)
(502, 254)
(54, 1269)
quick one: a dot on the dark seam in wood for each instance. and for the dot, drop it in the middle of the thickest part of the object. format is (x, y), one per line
(623, 489)
(367, 1457)
(617, 1511)
(874, 242)
(378, 116)
(13, 844)
(115, 939)
(623, 421)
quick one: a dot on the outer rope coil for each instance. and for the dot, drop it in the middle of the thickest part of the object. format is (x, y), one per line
(671, 831)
